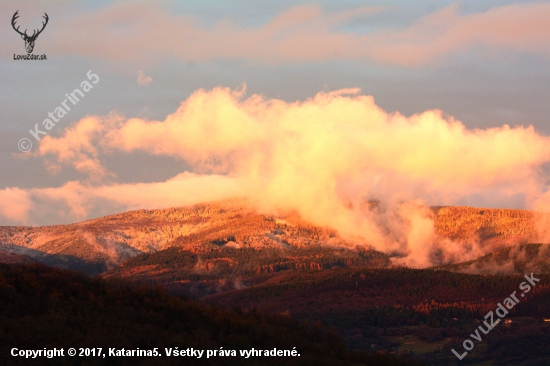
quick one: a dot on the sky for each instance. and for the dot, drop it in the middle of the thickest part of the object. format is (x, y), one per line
(312, 107)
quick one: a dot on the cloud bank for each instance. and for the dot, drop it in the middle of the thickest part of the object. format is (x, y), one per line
(302, 33)
(336, 159)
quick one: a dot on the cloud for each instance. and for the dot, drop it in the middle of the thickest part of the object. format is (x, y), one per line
(182, 190)
(324, 158)
(519, 28)
(76, 149)
(150, 33)
(76, 201)
(541, 204)
(143, 79)
(15, 204)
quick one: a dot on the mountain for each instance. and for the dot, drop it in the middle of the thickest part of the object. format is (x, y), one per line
(216, 269)
(227, 254)
(11, 258)
(515, 260)
(491, 227)
(97, 245)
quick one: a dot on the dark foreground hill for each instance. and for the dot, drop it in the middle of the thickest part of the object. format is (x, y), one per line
(45, 308)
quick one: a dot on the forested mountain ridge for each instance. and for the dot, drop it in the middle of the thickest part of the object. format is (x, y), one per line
(101, 244)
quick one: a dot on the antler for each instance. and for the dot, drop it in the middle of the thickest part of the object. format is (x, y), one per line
(34, 34)
(43, 25)
(15, 16)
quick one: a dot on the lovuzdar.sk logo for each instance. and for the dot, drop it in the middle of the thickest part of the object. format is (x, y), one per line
(29, 40)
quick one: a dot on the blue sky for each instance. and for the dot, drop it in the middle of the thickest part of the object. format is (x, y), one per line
(483, 64)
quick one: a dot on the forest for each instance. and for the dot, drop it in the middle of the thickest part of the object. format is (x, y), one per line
(43, 307)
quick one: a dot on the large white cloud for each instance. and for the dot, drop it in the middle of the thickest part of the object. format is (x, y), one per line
(322, 158)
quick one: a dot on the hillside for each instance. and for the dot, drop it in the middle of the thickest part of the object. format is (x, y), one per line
(515, 260)
(491, 227)
(431, 295)
(427, 312)
(46, 308)
(11, 258)
(95, 246)
(220, 268)
(227, 254)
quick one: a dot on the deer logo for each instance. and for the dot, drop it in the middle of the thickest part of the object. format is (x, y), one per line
(29, 40)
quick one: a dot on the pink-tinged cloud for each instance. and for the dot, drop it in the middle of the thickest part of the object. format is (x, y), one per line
(15, 204)
(322, 158)
(75, 148)
(143, 79)
(516, 28)
(75, 200)
(131, 32)
(182, 190)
